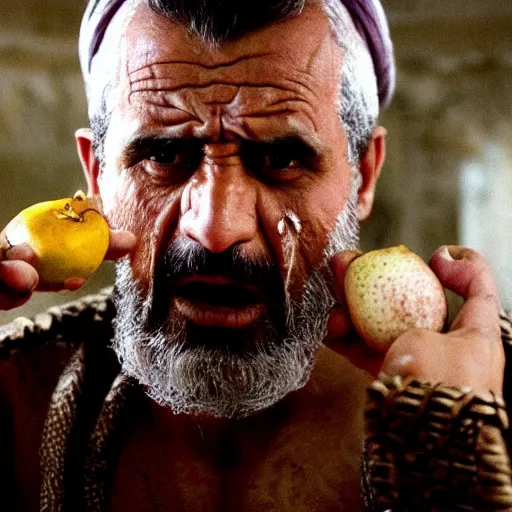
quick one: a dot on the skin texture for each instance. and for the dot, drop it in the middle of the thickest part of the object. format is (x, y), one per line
(256, 90)
(302, 454)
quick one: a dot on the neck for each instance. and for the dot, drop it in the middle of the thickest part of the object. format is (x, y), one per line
(333, 378)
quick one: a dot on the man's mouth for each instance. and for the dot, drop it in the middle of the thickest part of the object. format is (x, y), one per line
(217, 301)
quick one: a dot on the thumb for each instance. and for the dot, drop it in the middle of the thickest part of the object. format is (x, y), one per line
(339, 264)
(465, 272)
(121, 243)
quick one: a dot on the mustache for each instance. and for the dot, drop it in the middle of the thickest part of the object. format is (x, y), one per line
(185, 258)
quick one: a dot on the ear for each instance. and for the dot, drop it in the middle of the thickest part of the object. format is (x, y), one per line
(370, 167)
(85, 146)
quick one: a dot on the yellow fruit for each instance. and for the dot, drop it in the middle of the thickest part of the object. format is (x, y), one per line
(69, 236)
(389, 291)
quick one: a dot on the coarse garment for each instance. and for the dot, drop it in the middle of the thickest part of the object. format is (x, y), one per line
(60, 382)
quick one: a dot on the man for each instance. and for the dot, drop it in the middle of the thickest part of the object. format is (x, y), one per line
(235, 150)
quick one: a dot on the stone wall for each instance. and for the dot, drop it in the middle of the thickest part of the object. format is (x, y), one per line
(41, 105)
(452, 105)
(452, 109)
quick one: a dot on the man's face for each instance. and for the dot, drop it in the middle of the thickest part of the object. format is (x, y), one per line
(230, 165)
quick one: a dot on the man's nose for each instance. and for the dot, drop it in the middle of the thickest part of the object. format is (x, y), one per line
(218, 207)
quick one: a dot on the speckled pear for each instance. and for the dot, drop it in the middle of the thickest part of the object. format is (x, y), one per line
(69, 236)
(389, 291)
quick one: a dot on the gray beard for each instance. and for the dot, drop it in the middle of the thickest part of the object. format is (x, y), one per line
(213, 380)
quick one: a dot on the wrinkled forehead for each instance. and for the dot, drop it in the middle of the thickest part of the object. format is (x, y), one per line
(137, 38)
(302, 41)
(100, 33)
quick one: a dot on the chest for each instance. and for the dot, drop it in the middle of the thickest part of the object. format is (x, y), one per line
(303, 468)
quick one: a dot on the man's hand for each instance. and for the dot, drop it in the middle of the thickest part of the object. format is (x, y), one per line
(19, 278)
(469, 354)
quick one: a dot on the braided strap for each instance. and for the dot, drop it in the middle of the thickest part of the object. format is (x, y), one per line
(431, 447)
(506, 328)
(57, 430)
(113, 414)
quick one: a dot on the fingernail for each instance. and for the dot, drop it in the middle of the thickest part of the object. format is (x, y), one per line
(445, 253)
(398, 365)
(456, 252)
(34, 284)
(73, 283)
(452, 252)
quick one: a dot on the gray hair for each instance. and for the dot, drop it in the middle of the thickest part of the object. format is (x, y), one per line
(219, 20)
(358, 100)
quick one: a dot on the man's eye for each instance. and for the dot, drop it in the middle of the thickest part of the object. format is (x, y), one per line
(277, 161)
(165, 157)
(174, 161)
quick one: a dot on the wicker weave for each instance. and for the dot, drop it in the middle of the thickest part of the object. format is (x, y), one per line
(506, 328)
(437, 448)
(70, 406)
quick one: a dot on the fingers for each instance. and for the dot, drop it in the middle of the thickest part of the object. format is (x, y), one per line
(471, 353)
(465, 272)
(18, 280)
(121, 243)
(21, 252)
(71, 284)
(339, 321)
(339, 265)
(342, 338)
(339, 325)
(19, 277)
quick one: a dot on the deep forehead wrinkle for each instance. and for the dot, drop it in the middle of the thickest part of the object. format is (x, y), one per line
(169, 85)
(160, 96)
(156, 69)
(262, 83)
(203, 64)
(169, 78)
(159, 93)
(173, 46)
(242, 67)
(163, 84)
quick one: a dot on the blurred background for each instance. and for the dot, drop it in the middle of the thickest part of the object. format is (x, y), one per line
(448, 176)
